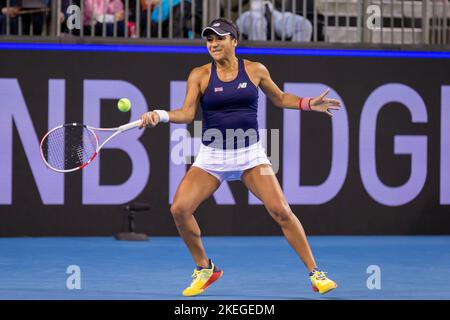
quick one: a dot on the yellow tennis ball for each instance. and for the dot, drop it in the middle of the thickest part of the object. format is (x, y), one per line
(124, 105)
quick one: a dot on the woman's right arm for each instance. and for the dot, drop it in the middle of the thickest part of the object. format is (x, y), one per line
(186, 113)
(193, 93)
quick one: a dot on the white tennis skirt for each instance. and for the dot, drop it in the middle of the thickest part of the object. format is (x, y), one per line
(228, 165)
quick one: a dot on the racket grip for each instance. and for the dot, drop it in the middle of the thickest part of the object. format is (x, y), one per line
(130, 125)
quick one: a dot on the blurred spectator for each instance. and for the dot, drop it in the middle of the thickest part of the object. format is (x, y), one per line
(199, 13)
(309, 14)
(103, 12)
(160, 11)
(245, 6)
(147, 7)
(12, 12)
(34, 14)
(26, 17)
(198, 16)
(255, 24)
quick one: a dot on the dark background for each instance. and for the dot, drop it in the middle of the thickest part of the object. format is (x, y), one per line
(352, 211)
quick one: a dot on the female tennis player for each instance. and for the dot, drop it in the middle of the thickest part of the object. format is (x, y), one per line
(227, 90)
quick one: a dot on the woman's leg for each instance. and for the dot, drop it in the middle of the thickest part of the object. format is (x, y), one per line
(262, 182)
(196, 186)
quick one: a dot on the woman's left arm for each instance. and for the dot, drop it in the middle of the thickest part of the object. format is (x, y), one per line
(286, 100)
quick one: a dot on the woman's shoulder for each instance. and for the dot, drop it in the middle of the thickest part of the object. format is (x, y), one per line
(254, 66)
(201, 71)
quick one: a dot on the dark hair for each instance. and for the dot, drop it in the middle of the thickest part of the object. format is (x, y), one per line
(230, 22)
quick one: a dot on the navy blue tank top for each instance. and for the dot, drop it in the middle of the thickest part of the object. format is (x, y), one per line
(229, 111)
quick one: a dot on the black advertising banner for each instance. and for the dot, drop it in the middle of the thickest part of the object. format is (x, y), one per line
(381, 165)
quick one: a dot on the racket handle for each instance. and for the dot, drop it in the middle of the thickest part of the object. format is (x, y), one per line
(130, 125)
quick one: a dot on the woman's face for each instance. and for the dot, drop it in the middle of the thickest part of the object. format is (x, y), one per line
(220, 47)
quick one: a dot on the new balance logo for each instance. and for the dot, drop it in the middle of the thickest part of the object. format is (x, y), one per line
(242, 85)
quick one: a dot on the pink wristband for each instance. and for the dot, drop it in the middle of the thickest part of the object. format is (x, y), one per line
(305, 104)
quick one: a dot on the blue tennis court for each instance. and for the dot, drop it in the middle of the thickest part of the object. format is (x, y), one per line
(254, 268)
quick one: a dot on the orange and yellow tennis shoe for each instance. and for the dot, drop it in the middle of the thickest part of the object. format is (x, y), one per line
(320, 282)
(202, 279)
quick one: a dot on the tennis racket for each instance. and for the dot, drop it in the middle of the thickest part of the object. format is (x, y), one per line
(72, 146)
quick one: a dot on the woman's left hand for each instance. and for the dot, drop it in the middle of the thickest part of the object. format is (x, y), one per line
(322, 104)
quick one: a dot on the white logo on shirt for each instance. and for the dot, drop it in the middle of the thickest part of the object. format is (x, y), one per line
(219, 89)
(242, 85)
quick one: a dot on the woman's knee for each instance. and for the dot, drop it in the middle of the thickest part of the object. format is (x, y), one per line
(181, 210)
(281, 212)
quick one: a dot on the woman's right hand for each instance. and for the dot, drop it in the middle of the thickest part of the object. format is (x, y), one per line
(149, 119)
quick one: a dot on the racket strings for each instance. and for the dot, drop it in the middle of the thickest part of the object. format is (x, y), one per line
(69, 147)
(54, 149)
